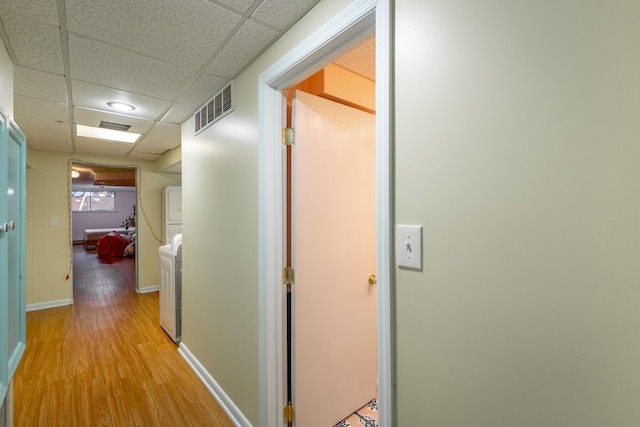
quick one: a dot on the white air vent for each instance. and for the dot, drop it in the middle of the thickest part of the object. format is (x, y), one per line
(114, 126)
(218, 107)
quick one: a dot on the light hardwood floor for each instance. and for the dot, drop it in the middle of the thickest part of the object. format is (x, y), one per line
(105, 361)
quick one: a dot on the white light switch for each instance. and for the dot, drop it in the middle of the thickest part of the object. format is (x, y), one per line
(409, 246)
(53, 221)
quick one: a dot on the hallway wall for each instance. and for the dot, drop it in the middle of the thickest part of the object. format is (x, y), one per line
(220, 231)
(519, 153)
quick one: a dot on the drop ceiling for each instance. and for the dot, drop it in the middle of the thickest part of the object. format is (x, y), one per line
(165, 57)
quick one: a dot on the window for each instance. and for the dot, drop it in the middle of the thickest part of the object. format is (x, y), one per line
(93, 201)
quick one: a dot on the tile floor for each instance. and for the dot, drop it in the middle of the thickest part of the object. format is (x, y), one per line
(366, 416)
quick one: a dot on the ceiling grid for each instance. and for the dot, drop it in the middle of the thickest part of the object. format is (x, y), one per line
(164, 57)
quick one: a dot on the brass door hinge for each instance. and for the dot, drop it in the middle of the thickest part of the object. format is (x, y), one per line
(288, 136)
(288, 276)
(289, 413)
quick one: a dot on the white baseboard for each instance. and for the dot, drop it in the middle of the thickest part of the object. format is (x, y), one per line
(225, 402)
(49, 304)
(148, 289)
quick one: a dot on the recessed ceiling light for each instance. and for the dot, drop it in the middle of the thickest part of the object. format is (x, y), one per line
(121, 106)
(109, 134)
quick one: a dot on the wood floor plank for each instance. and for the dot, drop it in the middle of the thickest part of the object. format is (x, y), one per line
(105, 360)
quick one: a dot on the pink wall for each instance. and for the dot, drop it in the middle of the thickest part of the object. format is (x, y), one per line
(124, 207)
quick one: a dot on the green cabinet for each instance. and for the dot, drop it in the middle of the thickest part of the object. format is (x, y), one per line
(12, 249)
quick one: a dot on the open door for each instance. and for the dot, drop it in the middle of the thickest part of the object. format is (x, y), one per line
(334, 355)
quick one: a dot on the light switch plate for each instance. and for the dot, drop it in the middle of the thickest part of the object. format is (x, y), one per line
(409, 246)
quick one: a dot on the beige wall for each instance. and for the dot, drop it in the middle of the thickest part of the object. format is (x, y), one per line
(220, 231)
(48, 250)
(6, 81)
(518, 150)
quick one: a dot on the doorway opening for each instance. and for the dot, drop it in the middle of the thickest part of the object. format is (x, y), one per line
(103, 219)
(347, 30)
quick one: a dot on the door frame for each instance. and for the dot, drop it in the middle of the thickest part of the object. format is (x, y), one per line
(73, 162)
(337, 36)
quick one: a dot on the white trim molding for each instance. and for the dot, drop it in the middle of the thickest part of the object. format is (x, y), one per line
(336, 37)
(148, 289)
(49, 304)
(340, 34)
(384, 215)
(216, 391)
(271, 261)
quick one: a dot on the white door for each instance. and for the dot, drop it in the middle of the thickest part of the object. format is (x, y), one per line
(334, 250)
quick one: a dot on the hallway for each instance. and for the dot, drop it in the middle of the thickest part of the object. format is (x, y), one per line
(105, 360)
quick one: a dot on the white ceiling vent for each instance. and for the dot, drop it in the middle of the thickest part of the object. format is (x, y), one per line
(218, 107)
(114, 126)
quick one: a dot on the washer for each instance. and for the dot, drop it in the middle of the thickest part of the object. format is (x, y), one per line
(171, 288)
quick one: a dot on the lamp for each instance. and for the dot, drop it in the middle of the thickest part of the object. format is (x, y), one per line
(121, 106)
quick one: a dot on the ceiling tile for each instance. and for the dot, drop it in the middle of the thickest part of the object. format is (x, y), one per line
(166, 130)
(240, 5)
(45, 134)
(94, 96)
(182, 32)
(250, 40)
(156, 145)
(361, 60)
(161, 138)
(53, 142)
(38, 84)
(107, 65)
(36, 45)
(203, 90)
(40, 109)
(282, 13)
(87, 117)
(179, 113)
(94, 146)
(41, 10)
(142, 156)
